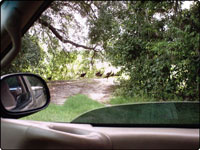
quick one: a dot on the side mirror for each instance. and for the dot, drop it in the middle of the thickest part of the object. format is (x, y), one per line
(23, 94)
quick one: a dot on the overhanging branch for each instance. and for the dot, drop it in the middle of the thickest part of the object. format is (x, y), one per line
(55, 32)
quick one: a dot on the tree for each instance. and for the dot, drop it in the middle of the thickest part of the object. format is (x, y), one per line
(29, 59)
(160, 54)
(57, 54)
(155, 43)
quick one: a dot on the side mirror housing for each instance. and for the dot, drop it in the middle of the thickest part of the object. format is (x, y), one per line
(23, 94)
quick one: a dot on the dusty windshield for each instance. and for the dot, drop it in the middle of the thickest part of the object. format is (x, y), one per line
(99, 54)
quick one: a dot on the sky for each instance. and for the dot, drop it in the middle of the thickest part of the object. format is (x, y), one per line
(186, 4)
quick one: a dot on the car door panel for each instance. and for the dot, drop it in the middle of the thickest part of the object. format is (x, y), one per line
(48, 135)
(35, 135)
(152, 138)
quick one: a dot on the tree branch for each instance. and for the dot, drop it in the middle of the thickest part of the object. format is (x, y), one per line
(92, 62)
(88, 12)
(55, 32)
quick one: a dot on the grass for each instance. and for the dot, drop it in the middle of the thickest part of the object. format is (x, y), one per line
(128, 100)
(73, 107)
(79, 104)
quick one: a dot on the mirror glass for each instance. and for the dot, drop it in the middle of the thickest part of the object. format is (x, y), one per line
(23, 92)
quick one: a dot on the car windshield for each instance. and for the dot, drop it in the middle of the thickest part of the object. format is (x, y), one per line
(120, 62)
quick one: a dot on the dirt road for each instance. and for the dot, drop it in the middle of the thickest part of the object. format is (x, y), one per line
(97, 89)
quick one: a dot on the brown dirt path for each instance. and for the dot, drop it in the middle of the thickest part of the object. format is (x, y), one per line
(97, 89)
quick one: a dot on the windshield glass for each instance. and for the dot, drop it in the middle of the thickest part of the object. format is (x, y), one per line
(136, 63)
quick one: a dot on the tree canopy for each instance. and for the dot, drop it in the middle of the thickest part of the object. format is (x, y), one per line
(155, 43)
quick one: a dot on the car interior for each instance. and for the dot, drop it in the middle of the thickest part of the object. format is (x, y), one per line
(16, 18)
(5, 93)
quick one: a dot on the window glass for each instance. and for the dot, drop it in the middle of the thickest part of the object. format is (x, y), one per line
(14, 86)
(149, 114)
(128, 62)
(36, 86)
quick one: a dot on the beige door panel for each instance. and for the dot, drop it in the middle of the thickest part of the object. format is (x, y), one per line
(47, 135)
(152, 138)
(30, 135)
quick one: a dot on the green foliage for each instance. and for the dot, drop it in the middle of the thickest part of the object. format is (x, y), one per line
(161, 55)
(129, 100)
(28, 59)
(72, 108)
(54, 62)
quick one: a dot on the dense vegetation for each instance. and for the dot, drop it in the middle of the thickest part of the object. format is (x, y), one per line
(155, 43)
(161, 55)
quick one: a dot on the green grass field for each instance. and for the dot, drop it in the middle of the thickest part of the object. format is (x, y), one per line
(73, 107)
(128, 100)
(79, 104)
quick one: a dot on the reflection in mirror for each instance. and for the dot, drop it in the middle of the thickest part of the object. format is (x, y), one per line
(23, 92)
